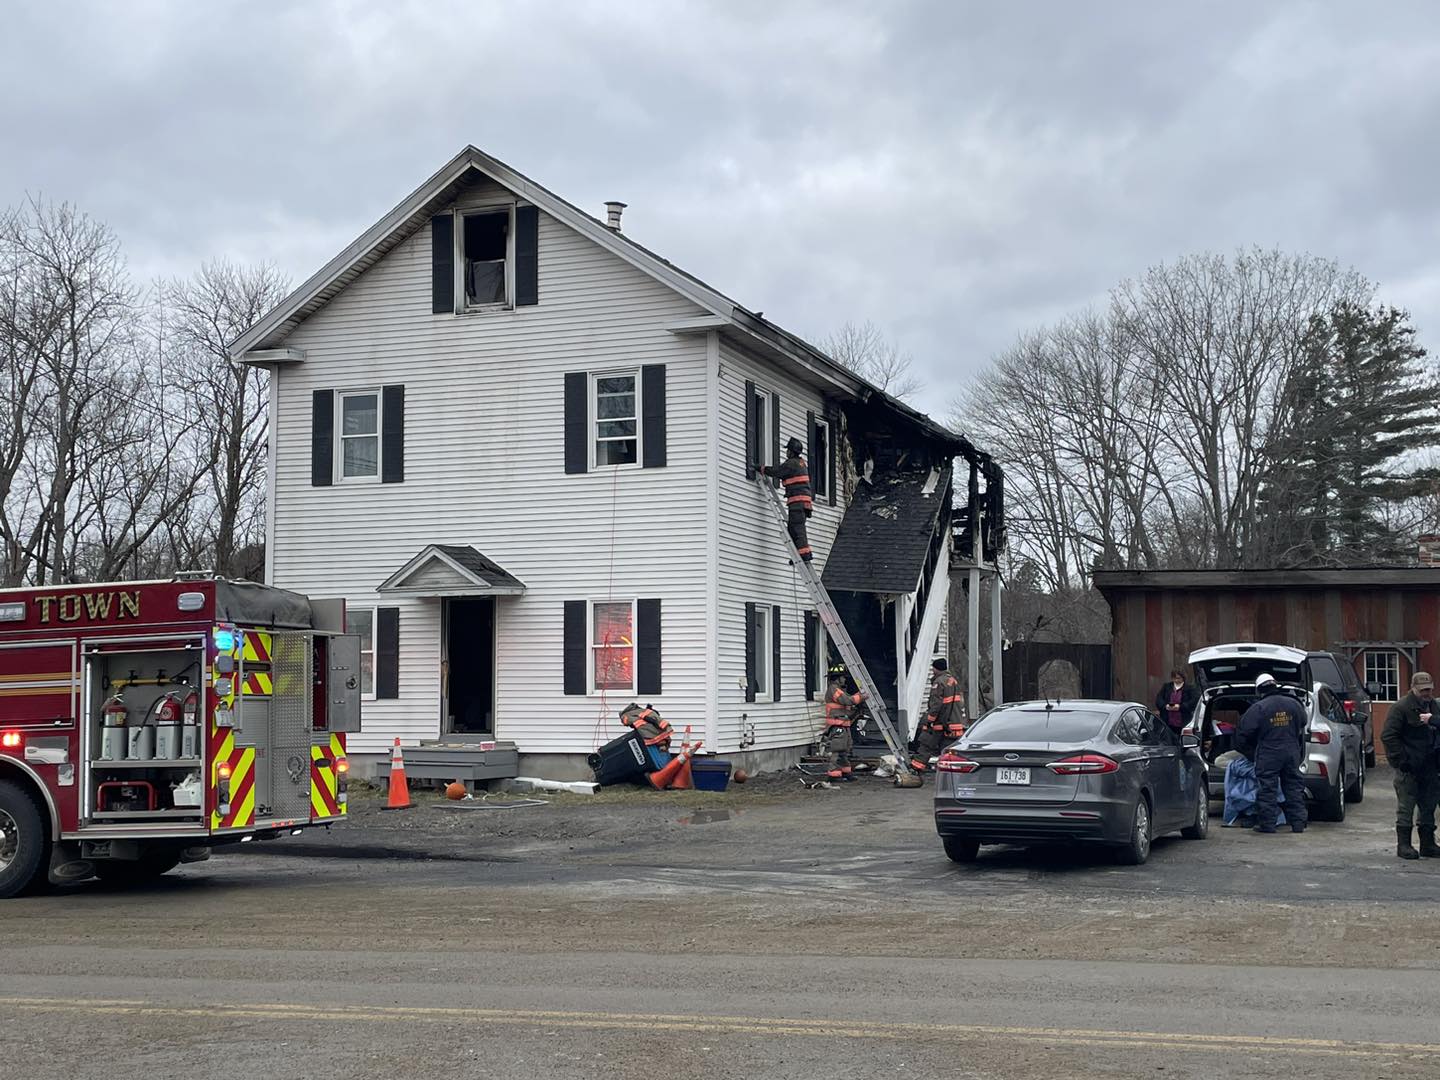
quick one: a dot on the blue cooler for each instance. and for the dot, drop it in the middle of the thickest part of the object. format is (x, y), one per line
(710, 774)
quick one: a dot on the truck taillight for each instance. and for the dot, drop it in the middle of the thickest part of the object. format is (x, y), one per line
(223, 770)
(342, 766)
(10, 740)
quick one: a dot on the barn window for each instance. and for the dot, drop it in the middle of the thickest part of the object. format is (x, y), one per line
(1382, 667)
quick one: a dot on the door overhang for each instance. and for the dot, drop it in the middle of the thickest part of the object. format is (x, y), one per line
(442, 570)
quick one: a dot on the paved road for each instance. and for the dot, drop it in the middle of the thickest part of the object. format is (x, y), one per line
(797, 938)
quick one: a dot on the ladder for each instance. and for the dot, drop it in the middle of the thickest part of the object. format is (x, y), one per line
(830, 619)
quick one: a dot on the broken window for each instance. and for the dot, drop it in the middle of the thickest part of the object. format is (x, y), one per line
(612, 645)
(359, 435)
(760, 441)
(820, 460)
(485, 247)
(616, 413)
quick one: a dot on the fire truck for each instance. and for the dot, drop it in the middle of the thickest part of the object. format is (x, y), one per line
(144, 723)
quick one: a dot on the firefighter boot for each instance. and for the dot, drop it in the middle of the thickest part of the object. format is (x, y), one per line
(1403, 850)
(1428, 850)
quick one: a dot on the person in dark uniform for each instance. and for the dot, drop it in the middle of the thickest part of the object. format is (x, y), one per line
(839, 736)
(1176, 701)
(1410, 736)
(1272, 735)
(944, 716)
(794, 476)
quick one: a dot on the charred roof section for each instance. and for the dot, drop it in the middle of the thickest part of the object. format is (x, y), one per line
(889, 530)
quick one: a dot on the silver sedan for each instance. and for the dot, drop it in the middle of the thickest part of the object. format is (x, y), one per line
(1037, 772)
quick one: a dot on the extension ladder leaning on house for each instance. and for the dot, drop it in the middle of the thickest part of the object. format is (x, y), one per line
(830, 619)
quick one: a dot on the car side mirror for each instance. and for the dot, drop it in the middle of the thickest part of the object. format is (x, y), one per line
(1190, 742)
(1373, 689)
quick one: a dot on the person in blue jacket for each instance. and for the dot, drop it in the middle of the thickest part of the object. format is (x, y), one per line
(1272, 735)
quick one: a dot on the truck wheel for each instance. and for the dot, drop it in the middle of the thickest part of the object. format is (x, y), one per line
(22, 841)
(960, 850)
(150, 865)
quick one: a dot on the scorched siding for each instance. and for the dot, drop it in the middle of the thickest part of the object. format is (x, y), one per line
(484, 465)
(754, 566)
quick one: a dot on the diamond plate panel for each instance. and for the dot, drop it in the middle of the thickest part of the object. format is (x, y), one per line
(290, 704)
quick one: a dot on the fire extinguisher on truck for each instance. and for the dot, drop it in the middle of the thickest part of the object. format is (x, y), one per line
(145, 723)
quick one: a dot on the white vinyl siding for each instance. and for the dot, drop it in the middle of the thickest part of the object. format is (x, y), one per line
(484, 465)
(753, 562)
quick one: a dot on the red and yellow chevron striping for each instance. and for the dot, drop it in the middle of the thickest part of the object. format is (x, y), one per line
(241, 760)
(257, 647)
(259, 684)
(324, 782)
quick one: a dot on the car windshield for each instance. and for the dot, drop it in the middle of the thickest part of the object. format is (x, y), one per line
(1035, 725)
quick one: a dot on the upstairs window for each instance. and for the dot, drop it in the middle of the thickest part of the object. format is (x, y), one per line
(615, 410)
(819, 462)
(486, 258)
(359, 435)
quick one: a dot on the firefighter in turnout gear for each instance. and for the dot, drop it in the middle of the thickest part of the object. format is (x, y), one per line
(794, 476)
(840, 706)
(944, 717)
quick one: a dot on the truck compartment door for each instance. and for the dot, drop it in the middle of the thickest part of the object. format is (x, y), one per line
(342, 683)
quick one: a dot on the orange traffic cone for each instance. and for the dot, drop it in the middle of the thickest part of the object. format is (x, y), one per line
(661, 777)
(682, 781)
(399, 788)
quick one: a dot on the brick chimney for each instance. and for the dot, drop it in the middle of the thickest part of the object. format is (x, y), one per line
(1428, 550)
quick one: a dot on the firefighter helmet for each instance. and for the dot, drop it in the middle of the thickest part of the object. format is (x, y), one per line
(794, 446)
(838, 670)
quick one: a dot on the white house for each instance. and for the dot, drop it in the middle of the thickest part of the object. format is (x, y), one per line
(518, 444)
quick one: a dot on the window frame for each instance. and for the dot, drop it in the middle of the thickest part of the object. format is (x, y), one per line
(1384, 684)
(592, 418)
(462, 306)
(821, 674)
(372, 611)
(762, 634)
(378, 393)
(591, 646)
(820, 466)
(765, 448)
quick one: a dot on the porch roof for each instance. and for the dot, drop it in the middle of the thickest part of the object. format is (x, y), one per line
(886, 533)
(451, 570)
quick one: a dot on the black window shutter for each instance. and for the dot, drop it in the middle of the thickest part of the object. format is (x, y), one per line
(812, 642)
(833, 478)
(647, 647)
(775, 431)
(775, 652)
(577, 418)
(751, 457)
(442, 264)
(387, 652)
(652, 404)
(322, 438)
(750, 652)
(575, 647)
(392, 435)
(527, 256)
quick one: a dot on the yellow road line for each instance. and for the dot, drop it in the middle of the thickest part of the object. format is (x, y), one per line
(736, 1025)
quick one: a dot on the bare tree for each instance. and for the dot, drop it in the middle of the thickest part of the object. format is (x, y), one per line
(203, 315)
(866, 351)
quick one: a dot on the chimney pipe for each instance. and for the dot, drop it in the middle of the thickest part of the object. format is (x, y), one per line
(612, 215)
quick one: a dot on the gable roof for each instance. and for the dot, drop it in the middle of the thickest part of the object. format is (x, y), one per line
(262, 342)
(886, 533)
(451, 570)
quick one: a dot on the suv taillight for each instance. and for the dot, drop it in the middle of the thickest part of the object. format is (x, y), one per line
(1320, 736)
(1349, 707)
(1083, 763)
(953, 762)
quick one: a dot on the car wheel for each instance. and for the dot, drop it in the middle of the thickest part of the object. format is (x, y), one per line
(1137, 849)
(1332, 808)
(1370, 758)
(1356, 794)
(1201, 827)
(23, 842)
(961, 850)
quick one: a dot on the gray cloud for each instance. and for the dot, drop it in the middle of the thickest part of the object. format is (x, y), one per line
(955, 172)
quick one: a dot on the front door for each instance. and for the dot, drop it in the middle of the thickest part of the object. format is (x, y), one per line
(469, 698)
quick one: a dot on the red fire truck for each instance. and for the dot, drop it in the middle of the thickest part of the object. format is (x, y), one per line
(143, 723)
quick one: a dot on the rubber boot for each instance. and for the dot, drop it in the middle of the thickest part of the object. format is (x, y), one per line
(1403, 849)
(1428, 850)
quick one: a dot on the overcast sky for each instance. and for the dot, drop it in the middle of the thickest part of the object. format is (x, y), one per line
(955, 172)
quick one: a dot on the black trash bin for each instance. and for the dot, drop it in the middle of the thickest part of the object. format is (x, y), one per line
(620, 760)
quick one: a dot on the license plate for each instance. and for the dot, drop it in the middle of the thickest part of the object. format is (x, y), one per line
(1012, 776)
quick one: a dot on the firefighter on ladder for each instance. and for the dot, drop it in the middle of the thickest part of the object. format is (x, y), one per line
(794, 475)
(944, 717)
(840, 706)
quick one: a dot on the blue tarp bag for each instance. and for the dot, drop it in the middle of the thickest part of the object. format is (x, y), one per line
(1240, 791)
